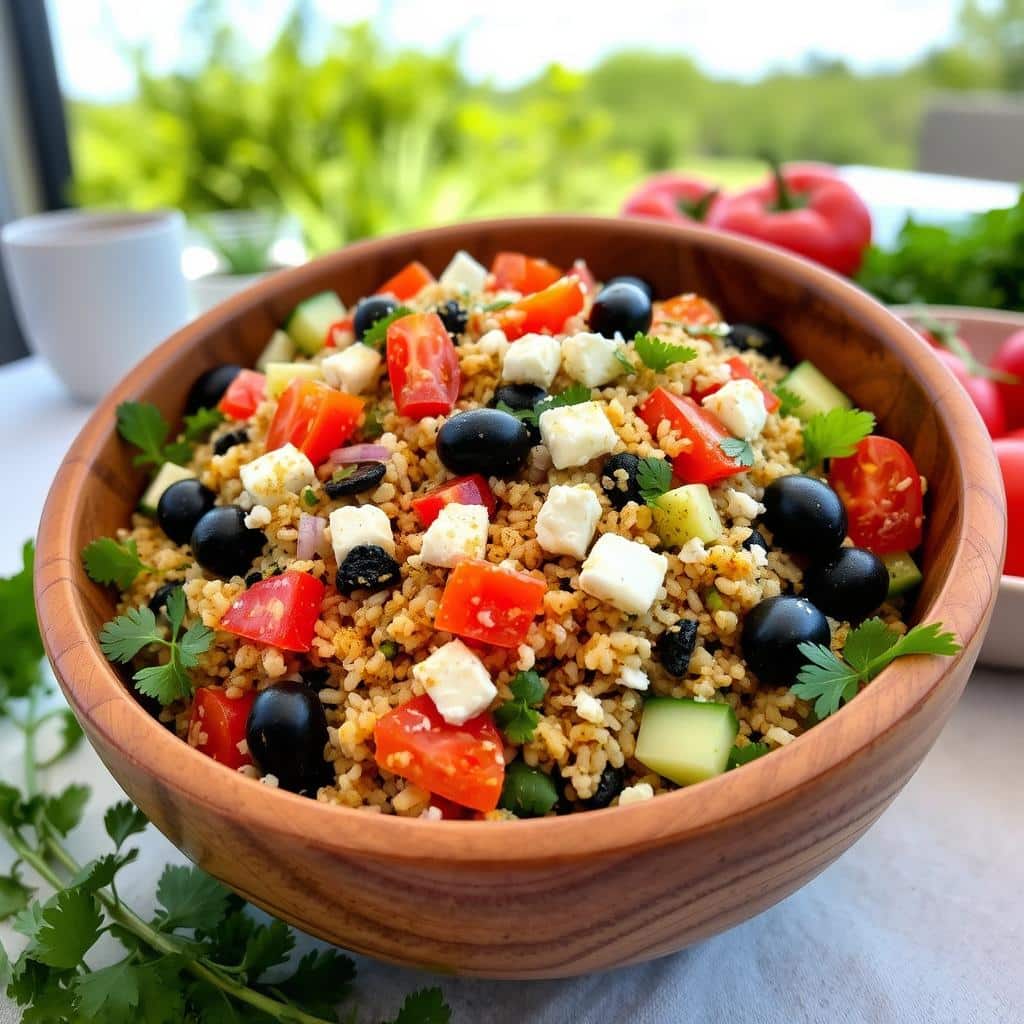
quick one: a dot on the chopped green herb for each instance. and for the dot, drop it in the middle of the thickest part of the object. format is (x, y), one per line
(713, 600)
(377, 334)
(654, 478)
(740, 756)
(718, 330)
(659, 355)
(107, 561)
(199, 424)
(141, 424)
(372, 426)
(834, 434)
(624, 361)
(575, 394)
(343, 473)
(516, 717)
(309, 497)
(738, 449)
(789, 399)
(493, 307)
(390, 649)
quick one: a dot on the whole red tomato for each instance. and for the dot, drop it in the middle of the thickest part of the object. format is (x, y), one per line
(674, 197)
(984, 393)
(1010, 452)
(1010, 359)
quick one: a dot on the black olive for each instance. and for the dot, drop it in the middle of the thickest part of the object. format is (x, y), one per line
(562, 805)
(609, 786)
(639, 282)
(366, 476)
(252, 579)
(316, 677)
(485, 441)
(676, 646)
(804, 515)
(756, 540)
(756, 338)
(772, 633)
(181, 506)
(621, 492)
(209, 387)
(223, 544)
(622, 308)
(228, 441)
(454, 317)
(521, 398)
(287, 733)
(158, 602)
(367, 567)
(848, 586)
(369, 311)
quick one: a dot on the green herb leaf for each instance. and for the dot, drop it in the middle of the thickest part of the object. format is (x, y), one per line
(835, 434)
(654, 478)
(309, 497)
(107, 561)
(21, 647)
(493, 307)
(740, 756)
(320, 981)
(624, 361)
(189, 898)
(109, 994)
(64, 812)
(427, 1006)
(123, 820)
(377, 334)
(390, 649)
(790, 401)
(739, 450)
(342, 473)
(71, 924)
(99, 873)
(575, 394)
(528, 686)
(143, 425)
(659, 355)
(14, 894)
(200, 423)
(516, 717)
(122, 638)
(719, 330)
(373, 425)
(269, 946)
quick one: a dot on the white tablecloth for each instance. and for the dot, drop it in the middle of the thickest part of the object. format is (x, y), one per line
(920, 923)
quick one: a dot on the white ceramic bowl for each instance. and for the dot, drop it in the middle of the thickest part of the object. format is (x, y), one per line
(984, 330)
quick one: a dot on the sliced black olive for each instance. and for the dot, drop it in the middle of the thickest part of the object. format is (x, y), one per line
(367, 567)
(757, 338)
(756, 540)
(676, 646)
(609, 786)
(454, 317)
(209, 387)
(364, 477)
(619, 480)
(228, 441)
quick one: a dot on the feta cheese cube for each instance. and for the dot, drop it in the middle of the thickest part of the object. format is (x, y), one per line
(272, 477)
(459, 531)
(457, 682)
(633, 678)
(352, 525)
(575, 434)
(636, 794)
(493, 343)
(588, 707)
(741, 505)
(567, 520)
(591, 358)
(533, 359)
(353, 370)
(258, 518)
(625, 573)
(464, 272)
(739, 404)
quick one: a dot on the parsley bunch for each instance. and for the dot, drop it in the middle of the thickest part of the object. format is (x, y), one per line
(201, 958)
(516, 717)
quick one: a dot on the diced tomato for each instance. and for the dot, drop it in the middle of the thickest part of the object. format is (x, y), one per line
(450, 811)
(280, 611)
(702, 461)
(739, 370)
(521, 273)
(217, 725)
(463, 490)
(243, 395)
(543, 312)
(881, 489)
(462, 763)
(485, 602)
(408, 282)
(315, 418)
(423, 366)
(688, 308)
(340, 333)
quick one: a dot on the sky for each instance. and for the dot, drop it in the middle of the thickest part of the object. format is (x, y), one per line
(508, 44)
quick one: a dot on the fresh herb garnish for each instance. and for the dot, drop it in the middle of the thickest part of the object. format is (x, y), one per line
(199, 424)
(830, 680)
(738, 449)
(107, 561)
(309, 497)
(790, 401)
(493, 307)
(373, 425)
(659, 355)
(343, 473)
(835, 434)
(390, 649)
(624, 361)
(653, 478)
(740, 756)
(123, 638)
(517, 717)
(141, 424)
(575, 394)
(378, 331)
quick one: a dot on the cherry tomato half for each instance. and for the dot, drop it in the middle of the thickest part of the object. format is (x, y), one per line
(423, 366)
(521, 273)
(1010, 452)
(315, 418)
(688, 308)
(217, 725)
(881, 489)
(243, 395)
(280, 611)
(463, 490)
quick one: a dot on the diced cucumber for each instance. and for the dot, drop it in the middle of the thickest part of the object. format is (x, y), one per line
(280, 349)
(817, 392)
(280, 375)
(169, 473)
(904, 574)
(687, 512)
(686, 741)
(713, 600)
(311, 319)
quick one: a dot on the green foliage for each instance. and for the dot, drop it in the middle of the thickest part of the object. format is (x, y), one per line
(517, 717)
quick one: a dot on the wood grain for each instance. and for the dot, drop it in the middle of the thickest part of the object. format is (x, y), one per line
(562, 896)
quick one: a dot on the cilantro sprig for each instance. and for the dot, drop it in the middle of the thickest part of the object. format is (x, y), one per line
(377, 333)
(124, 637)
(142, 425)
(201, 422)
(653, 478)
(109, 562)
(739, 756)
(790, 401)
(835, 434)
(738, 449)
(830, 680)
(517, 717)
(659, 355)
(575, 394)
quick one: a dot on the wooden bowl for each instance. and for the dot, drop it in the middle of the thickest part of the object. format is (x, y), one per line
(558, 896)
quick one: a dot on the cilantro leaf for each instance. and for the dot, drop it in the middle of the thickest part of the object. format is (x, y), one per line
(64, 812)
(870, 640)
(123, 820)
(427, 1006)
(738, 449)
(309, 497)
(322, 978)
(575, 394)
(14, 894)
(377, 333)
(740, 756)
(71, 924)
(107, 561)
(624, 361)
(516, 717)
(268, 946)
(528, 686)
(493, 307)
(99, 873)
(835, 434)
(111, 991)
(790, 400)
(71, 736)
(654, 478)
(27, 922)
(189, 898)
(372, 426)
(122, 638)
(142, 425)
(659, 355)
(201, 422)
(21, 647)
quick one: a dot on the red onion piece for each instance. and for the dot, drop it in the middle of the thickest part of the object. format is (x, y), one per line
(359, 453)
(311, 537)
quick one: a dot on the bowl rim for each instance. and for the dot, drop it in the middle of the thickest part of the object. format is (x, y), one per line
(97, 693)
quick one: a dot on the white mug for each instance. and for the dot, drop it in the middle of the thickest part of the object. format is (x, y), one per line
(95, 291)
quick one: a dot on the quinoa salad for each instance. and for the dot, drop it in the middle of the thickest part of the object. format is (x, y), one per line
(509, 543)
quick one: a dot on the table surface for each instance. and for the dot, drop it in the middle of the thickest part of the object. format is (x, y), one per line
(919, 922)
